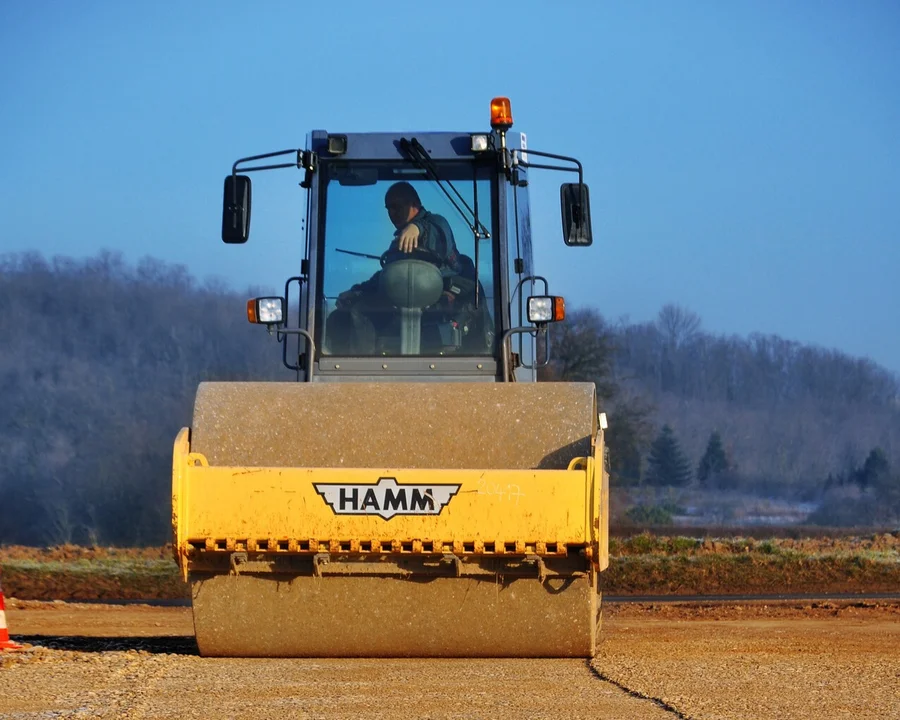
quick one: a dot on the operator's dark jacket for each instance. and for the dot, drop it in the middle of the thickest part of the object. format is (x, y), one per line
(434, 235)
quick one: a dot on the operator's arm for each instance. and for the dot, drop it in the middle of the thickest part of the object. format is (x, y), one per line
(430, 236)
(428, 232)
(408, 238)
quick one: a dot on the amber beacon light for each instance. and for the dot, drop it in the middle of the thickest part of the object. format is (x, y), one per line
(501, 114)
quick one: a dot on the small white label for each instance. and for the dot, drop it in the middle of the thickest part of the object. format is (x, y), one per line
(524, 145)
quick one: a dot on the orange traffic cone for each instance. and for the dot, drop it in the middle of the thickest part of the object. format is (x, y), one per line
(5, 642)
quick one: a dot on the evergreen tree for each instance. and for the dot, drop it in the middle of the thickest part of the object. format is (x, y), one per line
(714, 463)
(628, 437)
(667, 464)
(875, 471)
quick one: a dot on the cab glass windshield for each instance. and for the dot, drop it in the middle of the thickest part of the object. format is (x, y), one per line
(399, 272)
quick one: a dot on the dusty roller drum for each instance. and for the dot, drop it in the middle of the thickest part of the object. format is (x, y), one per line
(514, 426)
(259, 616)
(395, 425)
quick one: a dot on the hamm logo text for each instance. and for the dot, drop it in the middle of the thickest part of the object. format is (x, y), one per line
(386, 498)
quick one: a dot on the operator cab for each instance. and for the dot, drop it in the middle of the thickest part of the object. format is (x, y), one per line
(378, 300)
(418, 255)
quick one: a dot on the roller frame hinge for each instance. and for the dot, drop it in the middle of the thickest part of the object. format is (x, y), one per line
(539, 564)
(455, 561)
(320, 559)
(240, 561)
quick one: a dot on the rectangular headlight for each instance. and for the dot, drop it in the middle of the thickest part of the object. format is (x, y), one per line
(265, 310)
(479, 143)
(546, 309)
(540, 309)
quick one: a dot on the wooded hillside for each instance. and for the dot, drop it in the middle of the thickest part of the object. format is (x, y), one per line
(759, 414)
(99, 363)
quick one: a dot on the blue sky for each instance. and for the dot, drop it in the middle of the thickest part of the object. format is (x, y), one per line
(743, 156)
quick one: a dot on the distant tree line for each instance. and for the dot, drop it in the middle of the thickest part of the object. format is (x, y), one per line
(100, 361)
(99, 364)
(761, 414)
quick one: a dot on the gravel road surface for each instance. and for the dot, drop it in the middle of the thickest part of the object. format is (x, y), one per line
(684, 660)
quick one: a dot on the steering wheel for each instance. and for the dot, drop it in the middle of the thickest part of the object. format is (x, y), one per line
(390, 256)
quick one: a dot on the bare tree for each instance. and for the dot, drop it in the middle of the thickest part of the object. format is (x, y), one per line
(98, 367)
(678, 325)
(583, 351)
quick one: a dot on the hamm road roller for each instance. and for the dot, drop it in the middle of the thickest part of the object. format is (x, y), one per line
(410, 489)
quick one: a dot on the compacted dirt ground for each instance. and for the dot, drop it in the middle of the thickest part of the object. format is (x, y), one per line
(837, 659)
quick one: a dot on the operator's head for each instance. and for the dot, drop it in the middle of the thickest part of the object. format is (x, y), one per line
(402, 203)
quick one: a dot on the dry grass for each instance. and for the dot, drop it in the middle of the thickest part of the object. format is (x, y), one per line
(642, 564)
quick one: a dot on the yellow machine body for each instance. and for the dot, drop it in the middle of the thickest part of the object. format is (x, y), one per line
(303, 534)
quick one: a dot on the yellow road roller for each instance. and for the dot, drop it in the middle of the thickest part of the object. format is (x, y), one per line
(410, 489)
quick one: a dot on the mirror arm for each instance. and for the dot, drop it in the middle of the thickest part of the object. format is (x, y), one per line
(268, 167)
(305, 159)
(251, 158)
(578, 168)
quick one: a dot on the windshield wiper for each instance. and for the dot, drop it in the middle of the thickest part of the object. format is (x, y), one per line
(419, 155)
(358, 254)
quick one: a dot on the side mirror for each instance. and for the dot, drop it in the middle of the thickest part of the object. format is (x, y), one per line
(576, 214)
(236, 209)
